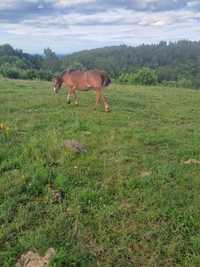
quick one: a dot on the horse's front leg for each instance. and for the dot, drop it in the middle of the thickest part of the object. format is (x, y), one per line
(106, 103)
(76, 99)
(68, 96)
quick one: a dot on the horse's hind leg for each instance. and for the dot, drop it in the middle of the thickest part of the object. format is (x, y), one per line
(98, 98)
(73, 92)
(76, 99)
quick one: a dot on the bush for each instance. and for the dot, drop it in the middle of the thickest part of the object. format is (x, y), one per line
(196, 83)
(31, 74)
(44, 75)
(169, 83)
(10, 72)
(185, 83)
(145, 76)
(127, 78)
(166, 73)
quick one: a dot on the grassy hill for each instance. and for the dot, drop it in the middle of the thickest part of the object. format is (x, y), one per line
(130, 200)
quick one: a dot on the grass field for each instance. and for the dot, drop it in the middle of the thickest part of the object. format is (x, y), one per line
(128, 201)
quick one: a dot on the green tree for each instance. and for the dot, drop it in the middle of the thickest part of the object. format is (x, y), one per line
(51, 61)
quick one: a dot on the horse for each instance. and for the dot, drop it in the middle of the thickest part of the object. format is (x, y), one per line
(77, 80)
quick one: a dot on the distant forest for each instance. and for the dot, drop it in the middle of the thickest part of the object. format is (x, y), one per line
(176, 64)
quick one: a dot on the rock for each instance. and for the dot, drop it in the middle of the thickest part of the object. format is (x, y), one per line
(145, 174)
(56, 196)
(75, 146)
(33, 259)
(192, 161)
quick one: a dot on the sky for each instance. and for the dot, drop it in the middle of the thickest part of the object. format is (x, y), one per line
(67, 26)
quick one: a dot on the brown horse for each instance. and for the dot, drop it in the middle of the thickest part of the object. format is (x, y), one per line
(77, 80)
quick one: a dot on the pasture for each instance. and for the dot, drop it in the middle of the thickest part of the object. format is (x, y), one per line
(130, 200)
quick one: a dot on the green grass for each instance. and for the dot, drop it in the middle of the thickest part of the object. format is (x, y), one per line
(110, 214)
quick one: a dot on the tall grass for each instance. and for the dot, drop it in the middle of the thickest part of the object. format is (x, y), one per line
(129, 201)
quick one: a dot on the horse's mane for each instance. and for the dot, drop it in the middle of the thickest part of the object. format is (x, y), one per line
(70, 70)
(63, 73)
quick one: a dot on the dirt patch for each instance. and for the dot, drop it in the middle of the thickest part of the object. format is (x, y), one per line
(75, 146)
(33, 259)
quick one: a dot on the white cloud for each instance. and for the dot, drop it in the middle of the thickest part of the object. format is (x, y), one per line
(145, 3)
(193, 4)
(86, 25)
(12, 4)
(67, 3)
(114, 26)
(7, 4)
(116, 17)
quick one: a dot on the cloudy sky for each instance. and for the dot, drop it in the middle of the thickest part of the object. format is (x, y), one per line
(72, 25)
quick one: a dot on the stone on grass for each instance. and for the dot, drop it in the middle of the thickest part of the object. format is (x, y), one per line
(56, 196)
(33, 259)
(145, 174)
(75, 146)
(192, 161)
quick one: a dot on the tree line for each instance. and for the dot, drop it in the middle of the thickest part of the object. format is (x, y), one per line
(176, 64)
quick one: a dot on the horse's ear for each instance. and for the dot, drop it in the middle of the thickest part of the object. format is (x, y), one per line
(58, 78)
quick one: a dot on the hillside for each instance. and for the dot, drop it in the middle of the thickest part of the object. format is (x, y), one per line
(177, 63)
(130, 200)
(118, 59)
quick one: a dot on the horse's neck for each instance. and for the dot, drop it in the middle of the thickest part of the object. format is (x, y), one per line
(62, 77)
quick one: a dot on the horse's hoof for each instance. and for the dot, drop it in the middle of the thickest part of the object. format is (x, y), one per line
(107, 108)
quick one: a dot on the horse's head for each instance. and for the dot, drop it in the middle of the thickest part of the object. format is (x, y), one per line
(57, 83)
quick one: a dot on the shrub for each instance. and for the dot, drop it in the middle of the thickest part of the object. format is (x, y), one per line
(145, 76)
(196, 83)
(44, 75)
(10, 72)
(166, 73)
(126, 78)
(31, 74)
(169, 83)
(185, 83)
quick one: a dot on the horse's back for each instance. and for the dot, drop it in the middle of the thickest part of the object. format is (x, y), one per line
(98, 78)
(91, 79)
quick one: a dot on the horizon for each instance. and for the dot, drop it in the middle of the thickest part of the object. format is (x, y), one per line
(83, 50)
(68, 26)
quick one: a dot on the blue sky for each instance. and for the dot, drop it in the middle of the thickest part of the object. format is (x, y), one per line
(72, 25)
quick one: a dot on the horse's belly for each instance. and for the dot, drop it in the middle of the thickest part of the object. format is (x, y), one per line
(85, 88)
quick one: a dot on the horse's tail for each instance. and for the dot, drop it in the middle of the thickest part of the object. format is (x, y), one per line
(107, 81)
